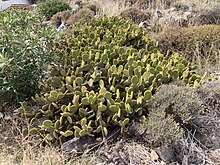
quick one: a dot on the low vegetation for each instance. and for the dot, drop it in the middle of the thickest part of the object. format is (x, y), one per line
(51, 7)
(115, 83)
(202, 41)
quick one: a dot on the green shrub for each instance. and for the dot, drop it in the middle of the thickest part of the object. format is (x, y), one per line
(51, 7)
(179, 108)
(175, 107)
(179, 101)
(36, 1)
(107, 73)
(135, 15)
(164, 132)
(25, 45)
(202, 41)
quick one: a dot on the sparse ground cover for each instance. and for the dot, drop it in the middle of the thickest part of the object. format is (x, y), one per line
(111, 91)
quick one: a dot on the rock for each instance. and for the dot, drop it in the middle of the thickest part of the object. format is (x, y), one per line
(165, 153)
(1, 115)
(62, 27)
(153, 155)
(78, 145)
(215, 156)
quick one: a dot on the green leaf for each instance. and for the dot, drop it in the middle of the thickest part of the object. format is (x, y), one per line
(50, 137)
(139, 100)
(66, 114)
(147, 95)
(108, 95)
(33, 131)
(83, 121)
(70, 120)
(47, 123)
(134, 80)
(79, 81)
(82, 132)
(125, 121)
(101, 107)
(113, 108)
(85, 101)
(67, 133)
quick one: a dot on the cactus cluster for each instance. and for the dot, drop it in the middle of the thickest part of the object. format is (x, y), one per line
(107, 73)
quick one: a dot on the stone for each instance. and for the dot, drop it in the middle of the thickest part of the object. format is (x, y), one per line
(153, 155)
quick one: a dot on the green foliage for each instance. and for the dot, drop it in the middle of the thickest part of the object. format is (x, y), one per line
(25, 45)
(175, 107)
(180, 108)
(179, 101)
(162, 128)
(135, 15)
(51, 7)
(107, 73)
(202, 41)
(36, 1)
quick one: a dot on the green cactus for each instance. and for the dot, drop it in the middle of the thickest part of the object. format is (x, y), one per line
(95, 86)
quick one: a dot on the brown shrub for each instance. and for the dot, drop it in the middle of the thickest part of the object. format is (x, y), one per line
(207, 122)
(60, 17)
(83, 15)
(135, 15)
(202, 41)
(144, 4)
(210, 16)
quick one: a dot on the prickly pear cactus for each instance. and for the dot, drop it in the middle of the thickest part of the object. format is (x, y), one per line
(106, 74)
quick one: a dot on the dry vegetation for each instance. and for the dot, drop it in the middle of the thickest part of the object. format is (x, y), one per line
(135, 146)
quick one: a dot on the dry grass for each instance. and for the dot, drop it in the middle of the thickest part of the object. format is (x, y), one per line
(192, 151)
(18, 150)
(204, 4)
(111, 7)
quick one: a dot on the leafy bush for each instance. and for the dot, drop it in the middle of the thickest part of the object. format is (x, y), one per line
(25, 45)
(107, 73)
(51, 7)
(135, 15)
(202, 41)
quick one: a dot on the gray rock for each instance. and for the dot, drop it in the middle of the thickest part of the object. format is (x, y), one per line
(79, 145)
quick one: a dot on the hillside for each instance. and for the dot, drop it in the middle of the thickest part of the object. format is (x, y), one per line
(110, 82)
